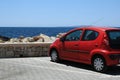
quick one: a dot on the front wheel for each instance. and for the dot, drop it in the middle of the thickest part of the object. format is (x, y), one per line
(54, 56)
(99, 64)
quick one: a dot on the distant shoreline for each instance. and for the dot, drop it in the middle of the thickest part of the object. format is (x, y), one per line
(16, 32)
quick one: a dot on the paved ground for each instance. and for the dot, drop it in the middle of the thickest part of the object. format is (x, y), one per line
(41, 68)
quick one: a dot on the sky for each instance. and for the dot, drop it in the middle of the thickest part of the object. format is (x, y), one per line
(53, 13)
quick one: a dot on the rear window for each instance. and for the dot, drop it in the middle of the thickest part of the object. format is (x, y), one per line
(114, 38)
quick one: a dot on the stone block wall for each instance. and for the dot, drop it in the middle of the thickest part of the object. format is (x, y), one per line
(24, 49)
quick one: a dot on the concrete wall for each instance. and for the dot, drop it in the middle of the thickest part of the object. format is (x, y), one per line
(24, 49)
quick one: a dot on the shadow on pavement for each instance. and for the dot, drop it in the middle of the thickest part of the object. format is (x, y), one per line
(113, 70)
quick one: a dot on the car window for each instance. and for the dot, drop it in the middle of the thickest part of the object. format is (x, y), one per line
(114, 38)
(74, 36)
(90, 35)
(114, 35)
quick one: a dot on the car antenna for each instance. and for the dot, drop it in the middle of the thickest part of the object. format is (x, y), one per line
(95, 22)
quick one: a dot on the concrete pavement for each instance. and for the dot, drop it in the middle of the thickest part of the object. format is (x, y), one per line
(41, 68)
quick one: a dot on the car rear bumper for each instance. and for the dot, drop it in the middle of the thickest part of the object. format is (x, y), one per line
(114, 56)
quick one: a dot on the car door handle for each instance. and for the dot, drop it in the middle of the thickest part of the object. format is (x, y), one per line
(76, 45)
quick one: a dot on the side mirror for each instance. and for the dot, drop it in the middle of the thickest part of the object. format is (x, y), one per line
(62, 39)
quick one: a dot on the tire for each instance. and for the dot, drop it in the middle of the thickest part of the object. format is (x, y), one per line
(99, 64)
(54, 56)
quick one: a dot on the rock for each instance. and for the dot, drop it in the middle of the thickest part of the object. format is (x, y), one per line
(45, 38)
(28, 39)
(52, 39)
(1, 41)
(3, 38)
(12, 40)
(60, 35)
(38, 39)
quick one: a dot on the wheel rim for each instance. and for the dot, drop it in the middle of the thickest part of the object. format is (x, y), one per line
(98, 64)
(54, 56)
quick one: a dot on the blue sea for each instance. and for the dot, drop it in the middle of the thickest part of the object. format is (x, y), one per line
(15, 32)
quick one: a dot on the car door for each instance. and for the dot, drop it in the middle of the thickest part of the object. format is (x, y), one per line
(88, 43)
(70, 46)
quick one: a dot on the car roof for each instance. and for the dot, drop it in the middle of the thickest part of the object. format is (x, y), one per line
(103, 28)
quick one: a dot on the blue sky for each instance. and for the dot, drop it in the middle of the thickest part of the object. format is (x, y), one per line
(52, 13)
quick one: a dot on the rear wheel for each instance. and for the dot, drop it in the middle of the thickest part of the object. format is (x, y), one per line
(54, 56)
(99, 64)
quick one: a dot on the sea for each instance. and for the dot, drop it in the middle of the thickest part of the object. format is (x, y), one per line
(15, 32)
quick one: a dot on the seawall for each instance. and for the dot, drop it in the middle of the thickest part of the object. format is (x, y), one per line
(23, 49)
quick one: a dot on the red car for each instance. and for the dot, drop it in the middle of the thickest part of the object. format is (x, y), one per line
(97, 46)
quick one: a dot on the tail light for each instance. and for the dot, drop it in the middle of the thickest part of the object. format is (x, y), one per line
(106, 40)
